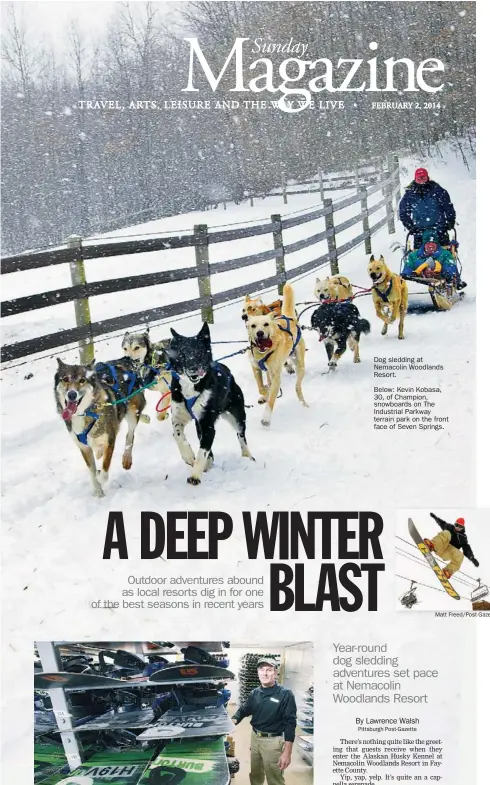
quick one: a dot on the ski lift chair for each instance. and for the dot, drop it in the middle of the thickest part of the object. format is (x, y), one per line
(409, 599)
(480, 592)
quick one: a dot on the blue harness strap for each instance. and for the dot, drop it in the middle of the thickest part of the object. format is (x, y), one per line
(189, 402)
(288, 330)
(262, 363)
(384, 295)
(106, 369)
(83, 436)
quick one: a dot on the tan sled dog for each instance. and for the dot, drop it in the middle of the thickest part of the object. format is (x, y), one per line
(272, 340)
(390, 294)
(254, 306)
(338, 287)
(141, 350)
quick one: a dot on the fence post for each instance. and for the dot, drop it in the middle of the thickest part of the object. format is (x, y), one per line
(332, 244)
(278, 246)
(203, 272)
(388, 191)
(320, 178)
(396, 172)
(82, 307)
(251, 200)
(284, 188)
(356, 177)
(365, 218)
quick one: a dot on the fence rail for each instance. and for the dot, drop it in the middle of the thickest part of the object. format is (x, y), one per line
(80, 293)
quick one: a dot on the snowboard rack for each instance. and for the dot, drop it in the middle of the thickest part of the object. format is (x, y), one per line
(479, 592)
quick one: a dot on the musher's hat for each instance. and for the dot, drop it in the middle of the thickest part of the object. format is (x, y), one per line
(421, 176)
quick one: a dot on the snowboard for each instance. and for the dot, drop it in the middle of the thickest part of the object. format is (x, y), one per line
(306, 743)
(49, 761)
(191, 763)
(188, 723)
(175, 675)
(82, 681)
(419, 541)
(112, 720)
(44, 722)
(111, 767)
(183, 673)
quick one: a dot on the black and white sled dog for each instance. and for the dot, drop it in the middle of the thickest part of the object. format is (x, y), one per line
(339, 324)
(202, 390)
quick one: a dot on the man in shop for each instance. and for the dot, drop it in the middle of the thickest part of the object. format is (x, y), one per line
(272, 710)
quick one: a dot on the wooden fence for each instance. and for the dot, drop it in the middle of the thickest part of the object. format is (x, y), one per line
(76, 253)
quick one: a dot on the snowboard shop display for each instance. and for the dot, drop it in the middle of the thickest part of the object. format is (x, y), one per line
(306, 721)
(248, 678)
(132, 718)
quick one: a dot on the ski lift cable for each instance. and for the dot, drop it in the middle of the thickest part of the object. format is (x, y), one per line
(434, 588)
(423, 563)
(414, 546)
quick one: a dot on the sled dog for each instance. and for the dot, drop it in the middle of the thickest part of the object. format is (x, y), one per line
(338, 325)
(203, 390)
(86, 398)
(152, 359)
(272, 340)
(254, 306)
(390, 294)
(338, 287)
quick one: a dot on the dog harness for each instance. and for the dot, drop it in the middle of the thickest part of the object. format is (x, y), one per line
(189, 402)
(262, 363)
(287, 329)
(384, 295)
(83, 436)
(108, 373)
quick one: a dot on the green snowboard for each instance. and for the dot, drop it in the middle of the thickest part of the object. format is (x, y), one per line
(49, 762)
(111, 767)
(192, 763)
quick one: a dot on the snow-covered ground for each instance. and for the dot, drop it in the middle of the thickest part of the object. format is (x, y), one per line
(324, 457)
(411, 566)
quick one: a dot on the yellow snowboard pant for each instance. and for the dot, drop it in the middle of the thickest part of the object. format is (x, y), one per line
(264, 757)
(448, 552)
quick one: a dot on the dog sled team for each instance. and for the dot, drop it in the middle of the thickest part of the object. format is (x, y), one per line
(94, 399)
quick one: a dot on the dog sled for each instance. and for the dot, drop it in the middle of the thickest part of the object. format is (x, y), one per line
(443, 292)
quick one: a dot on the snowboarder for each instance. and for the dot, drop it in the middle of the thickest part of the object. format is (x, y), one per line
(451, 545)
(426, 205)
(433, 261)
(272, 709)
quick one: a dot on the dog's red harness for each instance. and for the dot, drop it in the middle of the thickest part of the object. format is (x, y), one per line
(157, 409)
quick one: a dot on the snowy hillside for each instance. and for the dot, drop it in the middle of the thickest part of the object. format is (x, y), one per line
(326, 456)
